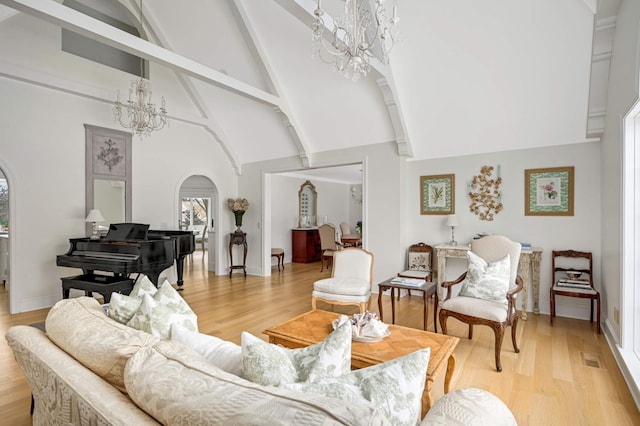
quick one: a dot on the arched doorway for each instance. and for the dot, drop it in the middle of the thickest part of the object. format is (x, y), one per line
(4, 242)
(197, 200)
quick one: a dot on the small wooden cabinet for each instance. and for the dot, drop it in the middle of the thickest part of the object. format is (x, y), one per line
(305, 245)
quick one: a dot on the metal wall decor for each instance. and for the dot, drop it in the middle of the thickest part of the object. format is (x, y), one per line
(485, 194)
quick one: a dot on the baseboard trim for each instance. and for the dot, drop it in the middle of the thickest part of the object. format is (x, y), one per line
(628, 363)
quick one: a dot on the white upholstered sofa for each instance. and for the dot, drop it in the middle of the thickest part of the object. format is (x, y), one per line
(100, 372)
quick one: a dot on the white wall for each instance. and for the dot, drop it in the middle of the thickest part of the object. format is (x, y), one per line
(382, 202)
(622, 93)
(578, 232)
(45, 164)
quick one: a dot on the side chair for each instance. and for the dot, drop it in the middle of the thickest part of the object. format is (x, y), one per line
(328, 244)
(572, 276)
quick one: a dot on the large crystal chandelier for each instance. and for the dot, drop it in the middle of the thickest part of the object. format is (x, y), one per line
(357, 37)
(141, 114)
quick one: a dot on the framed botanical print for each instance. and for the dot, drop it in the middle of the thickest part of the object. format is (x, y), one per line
(437, 194)
(548, 192)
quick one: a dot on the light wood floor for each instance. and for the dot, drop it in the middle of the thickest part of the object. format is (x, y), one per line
(564, 375)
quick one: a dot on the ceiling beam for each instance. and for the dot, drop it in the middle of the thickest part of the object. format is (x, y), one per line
(286, 113)
(82, 24)
(212, 126)
(303, 11)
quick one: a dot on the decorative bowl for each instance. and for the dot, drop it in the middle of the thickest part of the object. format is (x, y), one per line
(573, 275)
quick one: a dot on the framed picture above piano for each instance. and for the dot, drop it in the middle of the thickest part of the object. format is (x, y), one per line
(108, 173)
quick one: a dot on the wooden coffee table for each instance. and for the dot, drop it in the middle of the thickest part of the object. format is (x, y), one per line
(314, 326)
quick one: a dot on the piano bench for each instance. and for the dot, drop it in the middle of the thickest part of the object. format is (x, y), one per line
(103, 284)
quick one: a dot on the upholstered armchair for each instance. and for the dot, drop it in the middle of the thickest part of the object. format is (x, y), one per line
(350, 282)
(488, 290)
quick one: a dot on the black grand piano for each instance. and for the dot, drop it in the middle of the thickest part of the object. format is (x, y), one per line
(130, 248)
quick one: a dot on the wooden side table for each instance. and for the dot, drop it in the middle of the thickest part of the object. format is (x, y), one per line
(427, 288)
(238, 238)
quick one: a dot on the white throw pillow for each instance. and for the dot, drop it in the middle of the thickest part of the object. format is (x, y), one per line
(394, 386)
(274, 365)
(156, 314)
(223, 354)
(488, 281)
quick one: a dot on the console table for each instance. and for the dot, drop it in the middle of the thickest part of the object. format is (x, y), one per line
(238, 238)
(529, 268)
(305, 245)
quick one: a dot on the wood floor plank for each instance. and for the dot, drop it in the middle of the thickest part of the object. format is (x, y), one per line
(564, 375)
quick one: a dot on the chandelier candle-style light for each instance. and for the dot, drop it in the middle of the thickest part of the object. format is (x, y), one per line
(141, 114)
(357, 37)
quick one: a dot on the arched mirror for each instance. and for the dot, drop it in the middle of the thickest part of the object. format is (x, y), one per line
(308, 202)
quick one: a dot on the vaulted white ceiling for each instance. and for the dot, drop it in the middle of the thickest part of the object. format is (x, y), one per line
(468, 76)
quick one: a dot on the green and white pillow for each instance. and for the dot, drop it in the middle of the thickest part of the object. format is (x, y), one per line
(143, 286)
(121, 307)
(395, 387)
(272, 365)
(156, 314)
(488, 281)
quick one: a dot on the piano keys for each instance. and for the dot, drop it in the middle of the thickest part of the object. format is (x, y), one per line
(130, 248)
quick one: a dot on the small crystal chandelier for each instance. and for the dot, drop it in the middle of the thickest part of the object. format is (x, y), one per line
(355, 36)
(141, 116)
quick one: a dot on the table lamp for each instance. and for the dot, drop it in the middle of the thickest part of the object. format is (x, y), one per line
(452, 221)
(94, 216)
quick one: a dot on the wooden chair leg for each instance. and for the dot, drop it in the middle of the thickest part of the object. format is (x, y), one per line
(598, 313)
(552, 307)
(514, 326)
(443, 321)
(313, 303)
(499, 331)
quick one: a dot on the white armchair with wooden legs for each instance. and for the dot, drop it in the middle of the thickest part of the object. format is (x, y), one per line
(350, 282)
(488, 292)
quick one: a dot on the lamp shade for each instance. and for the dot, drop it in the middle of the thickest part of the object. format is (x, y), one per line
(452, 220)
(94, 216)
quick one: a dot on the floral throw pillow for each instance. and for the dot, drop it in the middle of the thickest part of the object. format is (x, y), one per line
(273, 365)
(395, 387)
(488, 281)
(419, 261)
(122, 308)
(156, 314)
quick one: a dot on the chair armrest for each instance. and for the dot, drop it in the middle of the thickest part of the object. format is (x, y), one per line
(519, 286)
(449, 284)
(511, 294)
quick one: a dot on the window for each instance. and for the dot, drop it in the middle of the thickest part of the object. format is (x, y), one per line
(196, 212)
(4, 204)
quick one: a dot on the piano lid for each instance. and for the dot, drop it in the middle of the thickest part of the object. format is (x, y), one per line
(127, 232)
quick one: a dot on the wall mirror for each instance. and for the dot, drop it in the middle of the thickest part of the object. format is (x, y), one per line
(308, 202)
(108, 174)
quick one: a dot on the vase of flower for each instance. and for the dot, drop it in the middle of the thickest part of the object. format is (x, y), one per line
(238, 207)
(238, 215)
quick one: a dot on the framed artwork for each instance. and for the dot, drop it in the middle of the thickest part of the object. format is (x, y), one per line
(437, 194)
(548, 192)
